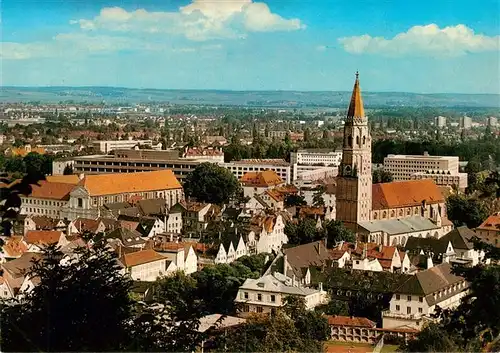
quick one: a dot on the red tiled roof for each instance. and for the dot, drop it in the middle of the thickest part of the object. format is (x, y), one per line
(491, 223)
(351, 321)
(52, 191)
(265, 178)
(405, 194)
(42, 237)
(141, 257)
(15, 246)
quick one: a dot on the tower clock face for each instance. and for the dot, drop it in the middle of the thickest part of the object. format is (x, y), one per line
(347, 170)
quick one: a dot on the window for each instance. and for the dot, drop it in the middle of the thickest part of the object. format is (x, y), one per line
(246, 308)
(398, 307)
(80, 203)
(246, 295)
(409, 298)
(259, 297)
(421, 299)
(420, 310)
(273, 298)
(408, 310)
(397, 296)
(259, 309)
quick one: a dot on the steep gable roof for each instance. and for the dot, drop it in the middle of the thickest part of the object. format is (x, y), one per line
(19, 266)
(491, 223)
(86, 224)
(117, 183)
(44, 222)
(460, 238)
(405, 194)
(128, 237)
(51, 191)
(42, 236)
(306, 255)
(437, 246)
(141, 257)
(14, 246)
(350, 321)
(264, 178)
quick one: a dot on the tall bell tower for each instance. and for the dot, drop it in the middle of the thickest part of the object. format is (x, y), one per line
(354, 181)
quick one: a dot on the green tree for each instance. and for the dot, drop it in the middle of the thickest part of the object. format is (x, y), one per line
(381, 176)
(68, 170)
(465, 210)
(211, 183)
(336, 232)
(318, 196)
(294, 200)
(335, 307)
(56, 315)
(432, 339)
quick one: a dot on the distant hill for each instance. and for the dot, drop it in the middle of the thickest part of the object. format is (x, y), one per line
(284, 99)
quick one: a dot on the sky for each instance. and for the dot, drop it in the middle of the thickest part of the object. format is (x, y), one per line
(423, 46)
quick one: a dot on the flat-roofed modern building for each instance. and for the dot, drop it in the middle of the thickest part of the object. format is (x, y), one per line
(324, 157)
(240, 168)
(403, 166)
(108, 146)
(129, 161)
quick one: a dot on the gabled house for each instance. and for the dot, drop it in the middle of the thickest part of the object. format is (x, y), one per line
(147, 226)
(173, 220)
(13, 248)
(376, 257)
(14, 273)
(127, 237)
(83, 225)
(37, 239)
(298, 261)
(268, 293)
(255, 183)
(181, 254)
(43, 223)
(489, 230)
(147, 265)
(415, 300)
(273, 199)
(461, 240)
(266, 234)
(439, 250)
(197, 215)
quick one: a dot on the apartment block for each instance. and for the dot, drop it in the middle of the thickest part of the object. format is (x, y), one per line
(324, 157)
(108, 146)
(444, 178)
(402, 166)
(240, 168)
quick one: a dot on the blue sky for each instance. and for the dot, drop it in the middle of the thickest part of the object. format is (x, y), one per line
(439, 46)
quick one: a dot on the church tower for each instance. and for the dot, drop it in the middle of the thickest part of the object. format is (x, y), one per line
(354, 181)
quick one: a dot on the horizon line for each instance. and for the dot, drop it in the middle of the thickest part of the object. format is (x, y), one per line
(234, 90)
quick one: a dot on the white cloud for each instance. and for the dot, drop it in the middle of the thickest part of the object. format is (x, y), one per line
(424, 40)
(200, 20)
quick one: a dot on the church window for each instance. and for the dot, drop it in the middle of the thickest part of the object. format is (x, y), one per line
(357, 140)
(364, 140)
(384, 215)
(349, 140)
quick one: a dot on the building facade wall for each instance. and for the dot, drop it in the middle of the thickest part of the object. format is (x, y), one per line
(402, 167)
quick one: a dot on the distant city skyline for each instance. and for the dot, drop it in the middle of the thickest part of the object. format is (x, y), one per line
(399, 46)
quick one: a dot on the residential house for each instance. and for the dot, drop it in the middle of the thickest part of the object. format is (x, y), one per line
(43, 223)
(440, 251)
(268, 293)
(256, 183)
(274, 199)
(37, 239)
(231, 250)
(14, 273)
(267, 234)
(13, 248)
(147, 265)
(127, 237)
(94, 191)
(196, 216)
(181, 254)
(461, 240)
(147, 226)
(298, 261)
(489, 230)
(416, 299)
(83, 225)
(388, 258)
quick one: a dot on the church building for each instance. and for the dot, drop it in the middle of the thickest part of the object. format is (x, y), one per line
(384, 213)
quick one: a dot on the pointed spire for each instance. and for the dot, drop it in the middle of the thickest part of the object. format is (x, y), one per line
(356, 109)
